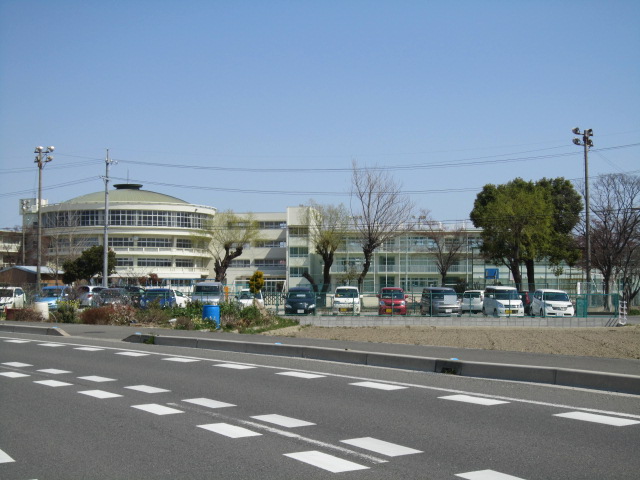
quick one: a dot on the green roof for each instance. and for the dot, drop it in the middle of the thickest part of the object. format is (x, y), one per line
(128, 193)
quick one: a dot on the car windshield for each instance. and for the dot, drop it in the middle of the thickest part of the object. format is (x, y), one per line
(246, 295)
(393, 295)
(556, 296)
(52, 292)
(472, 294)
(158, 294)
(5, 292)
(207, 289)
(112, 293)
(347, 293)
(293, 295)
(507, 295)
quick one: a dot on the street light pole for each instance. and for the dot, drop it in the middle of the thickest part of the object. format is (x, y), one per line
(105, 251)
(587, 143)
(42, 158)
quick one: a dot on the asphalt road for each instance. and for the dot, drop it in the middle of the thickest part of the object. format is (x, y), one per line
(94, 408)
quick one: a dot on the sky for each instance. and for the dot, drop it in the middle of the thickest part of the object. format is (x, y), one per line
(255, 106)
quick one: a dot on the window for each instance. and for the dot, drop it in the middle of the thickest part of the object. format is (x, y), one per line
(91, 217)
(298, 271)
(298, 231)
(154, 242)
(184, 262)
(154, 262)
(298, 251)
(124, 262)
(270, 244)
(122, 217)
(120, 242)
(271, 225)
(240, 264)
(184, 243)
(270, 263)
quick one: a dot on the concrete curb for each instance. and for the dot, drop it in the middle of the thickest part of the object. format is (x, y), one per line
(55, 331)
(523, 373)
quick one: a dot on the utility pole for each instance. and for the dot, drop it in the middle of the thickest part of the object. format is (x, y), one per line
(105, 256)
(41, 160)
(587, 143)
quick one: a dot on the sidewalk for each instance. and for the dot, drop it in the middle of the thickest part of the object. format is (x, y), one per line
(588, 372)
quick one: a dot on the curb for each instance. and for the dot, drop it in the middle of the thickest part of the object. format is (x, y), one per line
(523, 373)
(55, 331)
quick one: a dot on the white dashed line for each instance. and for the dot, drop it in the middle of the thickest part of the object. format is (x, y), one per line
(235, 366)
(147, 389)
(97, 379)
(54, 371)
(180, 359)
(283, 421)
(487, 475)
(300, 374)
(51, 345)
(157, 409)
(52, 383)
(100, 394)
(380, 446)
(89, 349)
(230, 431)
(471, 399)
(207, 402)
(14, 374)
(17, 341)
(17, 364)
(325, 461)
(590, 417)
(132, 354)
(379, 386)
(4, 458)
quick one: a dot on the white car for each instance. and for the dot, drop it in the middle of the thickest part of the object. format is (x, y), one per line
(12, 297)
(472, 301)
(501, 301)
(547, 302)
(347, 300)
(246, 298)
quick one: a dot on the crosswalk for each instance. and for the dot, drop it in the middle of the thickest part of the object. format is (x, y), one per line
(16, 370)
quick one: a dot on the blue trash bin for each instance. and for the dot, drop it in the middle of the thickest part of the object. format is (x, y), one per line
(211, 313)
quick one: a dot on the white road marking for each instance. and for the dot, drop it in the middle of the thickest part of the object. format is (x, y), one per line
(487, 475)
(157, 409)
(17, 341)
(380, 446)
(54, 371)
(4, 458)
(379, 386)
(52, 383)
(97, 379)
(283, 421)
(100, 394)
(147, 389)
(300, 374)
(51, 345)
(207, 402)
(235, 366)
(180, 359)
(325, 461)
(17, 364)
(132, 354)
(14, 374)
(590, 417)
(471, 399)
(89, 349)
(230, 431)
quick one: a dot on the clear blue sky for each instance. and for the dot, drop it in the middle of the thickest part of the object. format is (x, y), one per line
(449, 95)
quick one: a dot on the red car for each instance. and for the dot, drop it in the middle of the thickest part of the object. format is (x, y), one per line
(392, 301)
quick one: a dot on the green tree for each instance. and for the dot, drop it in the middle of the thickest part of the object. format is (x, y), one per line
(89, 264)
(256, 282)
(515, 220)
(328, 226)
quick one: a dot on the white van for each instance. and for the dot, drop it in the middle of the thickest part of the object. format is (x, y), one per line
(346, 300)
(502, 301)
(552, 303)
(207, 292)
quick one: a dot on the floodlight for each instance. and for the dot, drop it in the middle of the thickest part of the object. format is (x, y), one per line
(576, 130)
(577, 141)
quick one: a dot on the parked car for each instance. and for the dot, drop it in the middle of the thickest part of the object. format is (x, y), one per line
(85, 294)
(439, 301)
(164, 297)
(472, 301)
(346, 300)
(392, 301)
(12, 297)
(501, 301)
(547, 302)
(112, 296)
(53, 295)
(136, 293)
(246, 299)
(526, 301)
(207, 292)
(300, 300)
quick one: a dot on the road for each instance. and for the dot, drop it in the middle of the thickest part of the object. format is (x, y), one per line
(101, 409)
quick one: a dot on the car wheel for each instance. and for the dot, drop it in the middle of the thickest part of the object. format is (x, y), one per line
(541, 313)
(495, 312)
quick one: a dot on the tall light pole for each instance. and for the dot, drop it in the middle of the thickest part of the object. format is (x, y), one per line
(25, 204)
(587, 143)
(42, 158)
(105, 254)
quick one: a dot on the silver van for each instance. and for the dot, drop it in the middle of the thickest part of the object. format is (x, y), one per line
(208, 292)
(439, 301)
(502, 301)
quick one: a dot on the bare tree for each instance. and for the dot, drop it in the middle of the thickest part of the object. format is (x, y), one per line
(381, 211)
(225, 236)
(448, 245)
(615, 229)
(328, 225)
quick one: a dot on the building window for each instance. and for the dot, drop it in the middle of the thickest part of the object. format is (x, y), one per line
(120, 242)
(184, 262)
(298, 271)
(240, 264)
(271, 225)
(124, 262)
(270, 244)
(298, 251)
(154, 242)
(270, 263)
(298, 231)
(154, 262)
(184, 243)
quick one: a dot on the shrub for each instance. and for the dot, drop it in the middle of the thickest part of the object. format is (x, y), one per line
(27, 315)
(122, 315)
(66, 312)
(96, 316)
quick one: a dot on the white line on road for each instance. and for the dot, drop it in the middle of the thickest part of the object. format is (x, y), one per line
(378, 386)
(283, 421)
(97, 379)
(147, 389)
(487, 475)
(471, 399)
(380, 446)
(17, 364)
(100, 394)
(14, 374)
(54, 371)
(590, 417)
(52, 383)
(207, 402)
(4, 458)
(325, 461)
(157, 409)
(229, 430)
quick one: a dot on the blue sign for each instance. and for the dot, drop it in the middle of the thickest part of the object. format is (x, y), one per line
(491, 274)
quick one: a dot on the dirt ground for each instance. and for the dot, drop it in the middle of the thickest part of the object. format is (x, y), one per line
(615, 342)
